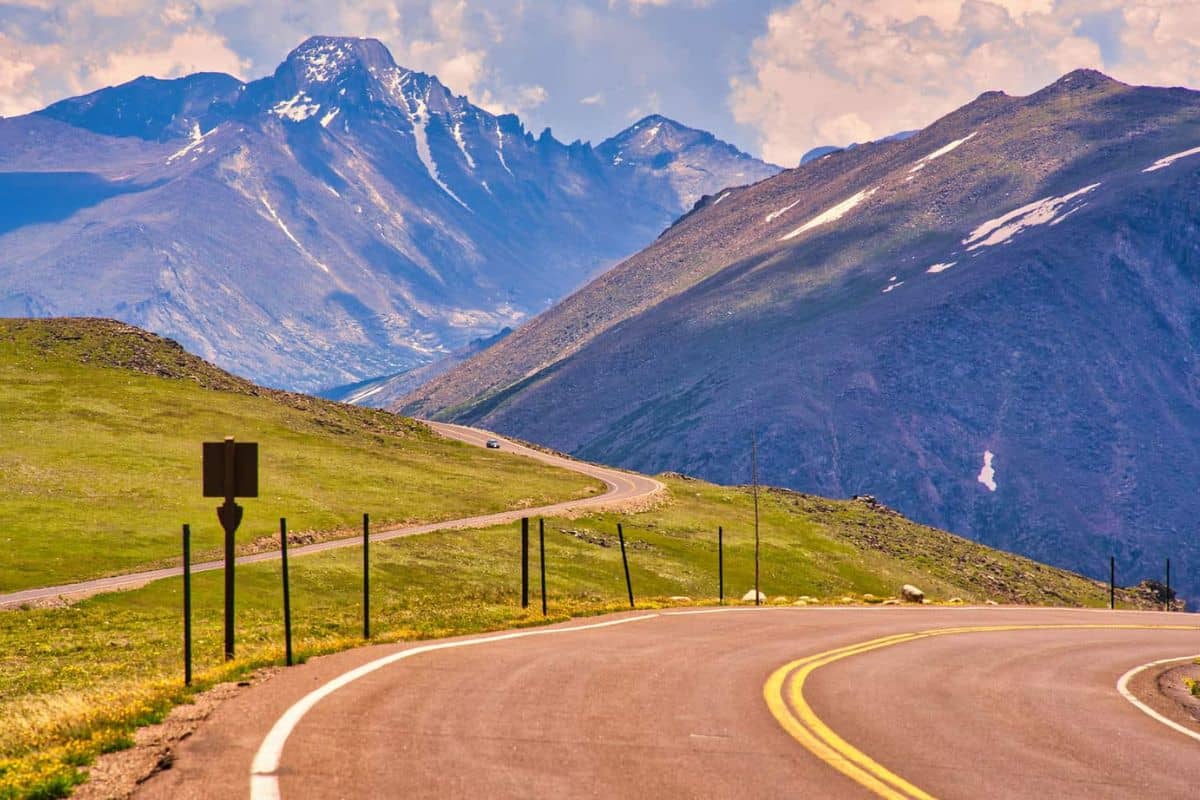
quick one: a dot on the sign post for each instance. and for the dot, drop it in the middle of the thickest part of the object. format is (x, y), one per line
(230, 470)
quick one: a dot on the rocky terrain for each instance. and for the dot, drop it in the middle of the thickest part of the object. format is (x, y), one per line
(992, 326)
(342, 219)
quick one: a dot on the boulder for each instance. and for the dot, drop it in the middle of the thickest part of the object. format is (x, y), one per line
(990, 602)
(800, 603)
(890, 602)
(748, 597)
(679, 598)
(955, 600)
(912, 594)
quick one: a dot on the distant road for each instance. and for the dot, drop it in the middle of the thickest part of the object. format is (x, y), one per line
(622, 488)
(776, 702)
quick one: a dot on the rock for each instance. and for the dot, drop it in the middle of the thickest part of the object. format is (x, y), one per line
(846, 600)
(955, 600)
(748, 597)
(890, 602)
(800, 603)
(679, 598)
(779, 601)
(912, 594)
(990, 602)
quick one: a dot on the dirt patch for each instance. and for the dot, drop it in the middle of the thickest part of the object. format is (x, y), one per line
(116, 776)
(1174, 685)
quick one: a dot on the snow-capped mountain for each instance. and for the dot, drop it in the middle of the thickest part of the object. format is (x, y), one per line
(341, 219)
(992, 326)
(661, 151)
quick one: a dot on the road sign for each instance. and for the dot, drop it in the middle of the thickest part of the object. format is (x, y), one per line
(244, 477)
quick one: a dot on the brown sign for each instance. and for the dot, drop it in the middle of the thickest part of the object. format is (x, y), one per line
(243, 482)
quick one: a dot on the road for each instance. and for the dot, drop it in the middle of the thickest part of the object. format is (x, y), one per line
(621, 488)
(736, 703)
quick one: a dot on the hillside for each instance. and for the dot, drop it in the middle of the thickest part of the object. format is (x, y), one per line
(992, 326)
(342, 219)
(101, 464)
(101, 457)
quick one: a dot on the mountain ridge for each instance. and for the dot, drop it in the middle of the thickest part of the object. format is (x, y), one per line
(920, 320)
(337, 220)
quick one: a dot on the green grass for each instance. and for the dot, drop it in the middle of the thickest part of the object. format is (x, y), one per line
(100, 465)
(75, 680)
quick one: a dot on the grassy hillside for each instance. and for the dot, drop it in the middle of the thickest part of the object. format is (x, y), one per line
(104, 435)
(101, 426)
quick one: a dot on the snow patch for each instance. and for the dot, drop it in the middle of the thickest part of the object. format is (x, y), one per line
(892, 286)
(298, 109)
(322, 62)
(1039, 212)
(462, 144)
(420, 123)
(1167, 161)
(941, 151)
(936, 268)
(987, 475)
(722, 197)
(196, 140)
(776, 214)
(329, 117)
(832, 214)
(289, 235)
(500, 150)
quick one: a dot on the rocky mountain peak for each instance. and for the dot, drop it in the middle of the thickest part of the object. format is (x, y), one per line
(323, 59)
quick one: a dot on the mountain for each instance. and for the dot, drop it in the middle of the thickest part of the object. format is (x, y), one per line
(993, 326)
(661, 152)
(341, 219)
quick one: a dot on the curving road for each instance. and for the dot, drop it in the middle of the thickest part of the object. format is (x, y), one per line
(739, 703)
(621, 488)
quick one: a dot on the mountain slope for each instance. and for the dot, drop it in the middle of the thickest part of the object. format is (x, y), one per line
(342, 219)
(993, 326)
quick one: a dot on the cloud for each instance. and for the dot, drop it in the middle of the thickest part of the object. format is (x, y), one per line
(191, 51)
(596, 99)
(838, 71)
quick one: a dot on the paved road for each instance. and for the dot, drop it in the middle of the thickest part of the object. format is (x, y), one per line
(622, 488)
(744, 703)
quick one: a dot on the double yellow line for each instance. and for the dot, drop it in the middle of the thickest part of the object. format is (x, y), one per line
(784, 693)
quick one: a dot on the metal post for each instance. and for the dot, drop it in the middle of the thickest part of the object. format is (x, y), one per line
(366, 576)
(1169, 584)
(287, 595)
(721, 565)
(754, 462)
(542, 559)
(1112, 582)
(230, 515)
(625, 561)
(187, 605)
(524, 562)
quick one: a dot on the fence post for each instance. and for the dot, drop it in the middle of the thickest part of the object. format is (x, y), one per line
(721, 565)
(287, 595)
(524, 562)
(1112, 582)
(366, 576)
(542, 559)
(1169, 598)
(187, 605)
(625, 561)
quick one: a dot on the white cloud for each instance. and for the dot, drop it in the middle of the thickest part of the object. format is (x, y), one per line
(838, 71)
(596, 99)
(190, 51)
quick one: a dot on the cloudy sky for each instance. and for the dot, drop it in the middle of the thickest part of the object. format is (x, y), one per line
(776, 77)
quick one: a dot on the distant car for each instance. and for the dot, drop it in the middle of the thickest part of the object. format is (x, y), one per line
(493, 444)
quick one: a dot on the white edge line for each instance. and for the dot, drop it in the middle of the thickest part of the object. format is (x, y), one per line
(1123, 688)
(264, 782)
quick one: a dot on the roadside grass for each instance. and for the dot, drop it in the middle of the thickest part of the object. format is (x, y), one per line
(101, 427)
(76, 681)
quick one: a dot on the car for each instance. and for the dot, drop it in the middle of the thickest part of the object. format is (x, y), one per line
(493, 444)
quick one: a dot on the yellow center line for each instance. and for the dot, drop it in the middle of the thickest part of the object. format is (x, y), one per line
(784, 695)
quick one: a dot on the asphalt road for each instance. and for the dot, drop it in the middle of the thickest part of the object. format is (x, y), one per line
(745, 703)
(622, 488)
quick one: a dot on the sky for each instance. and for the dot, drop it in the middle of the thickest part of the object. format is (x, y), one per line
(775, 77)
